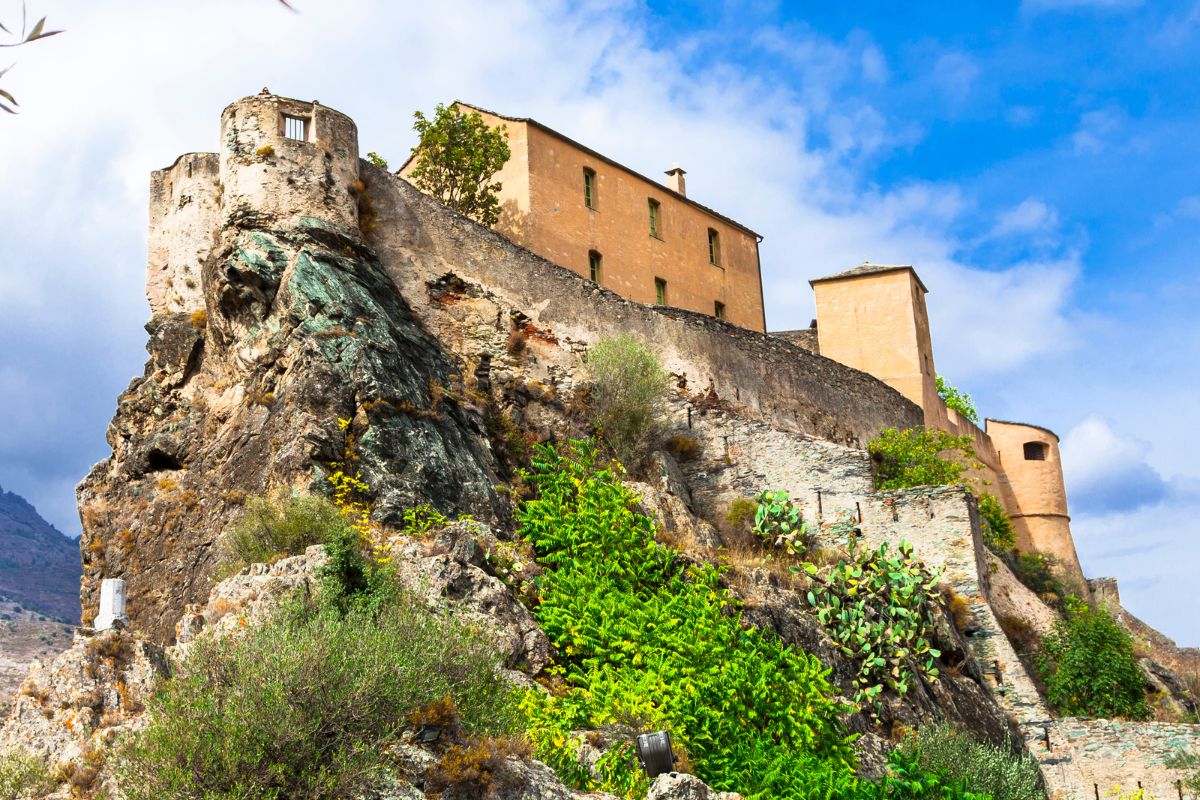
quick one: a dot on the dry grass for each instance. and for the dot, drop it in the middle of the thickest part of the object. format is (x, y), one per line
(683, 447)
(958, 606)
(478, 769)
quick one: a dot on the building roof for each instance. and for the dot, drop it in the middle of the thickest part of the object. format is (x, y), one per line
(607, 160)
(867, 268)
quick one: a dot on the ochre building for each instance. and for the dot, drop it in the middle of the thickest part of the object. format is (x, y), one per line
(642, 239)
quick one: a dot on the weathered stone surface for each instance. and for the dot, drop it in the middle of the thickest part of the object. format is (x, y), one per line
(442, 579)
(71, 708)
(303, 329)
(682, 786)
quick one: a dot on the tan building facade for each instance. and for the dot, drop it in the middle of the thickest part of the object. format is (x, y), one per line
(874, 318)
(644, 240)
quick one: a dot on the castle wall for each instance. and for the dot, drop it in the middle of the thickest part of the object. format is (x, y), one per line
(761, 376)
(184, 213)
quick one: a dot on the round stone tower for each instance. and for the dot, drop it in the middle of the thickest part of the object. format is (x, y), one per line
(282, 159)
(1030, 460)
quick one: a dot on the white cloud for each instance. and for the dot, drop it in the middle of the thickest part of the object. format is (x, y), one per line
(1106, 472)
(1030, 216)
(1097, 131)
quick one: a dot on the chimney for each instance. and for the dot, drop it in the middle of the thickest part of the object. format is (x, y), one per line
(675, 180)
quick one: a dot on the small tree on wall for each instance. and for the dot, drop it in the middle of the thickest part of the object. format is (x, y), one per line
(456, 158)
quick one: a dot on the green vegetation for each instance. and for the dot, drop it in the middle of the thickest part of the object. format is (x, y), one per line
(304, 705)
(284, 525)
(1189, 763)
(877, 608)
(778, 522)
(377, 160)
(645, 639)
(456, 158)
(990, 770)
(23, 777)
(648, 640)
(919, 457)
(1089, 666)
(626, 388)
(997, 528)
(959, 401)
(1039, 573)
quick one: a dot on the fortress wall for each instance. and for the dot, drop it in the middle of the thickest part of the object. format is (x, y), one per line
(184, 212)
(760, 376)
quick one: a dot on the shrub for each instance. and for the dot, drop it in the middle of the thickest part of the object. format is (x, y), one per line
(377, 160)
(877, 608)
(741, 513)
(1090, 668)
(987, 769)
(1039, 573)
(996, 527)
(626, 390)
(959, 401)
(23, 776)
(778, 522)
(303, 706)
(919, 457)
(283, 525)
(648, 640)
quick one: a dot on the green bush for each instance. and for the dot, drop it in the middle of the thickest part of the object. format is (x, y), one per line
(994, 771)
(23, 777)
(284, 525)
(959, 401)
(303, 706)
(1089, 667)
(626, 390)
(645, 639)
(1039, 573)
(919, 457)
(997, 528)
(877, 608)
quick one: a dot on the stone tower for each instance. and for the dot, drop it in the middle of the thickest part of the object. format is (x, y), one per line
(1030, 460)
(282, 162)
(873, 318)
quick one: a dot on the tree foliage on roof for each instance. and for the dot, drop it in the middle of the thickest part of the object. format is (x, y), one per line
(456, 158)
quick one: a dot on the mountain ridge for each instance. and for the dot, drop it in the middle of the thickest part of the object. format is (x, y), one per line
(39, 564)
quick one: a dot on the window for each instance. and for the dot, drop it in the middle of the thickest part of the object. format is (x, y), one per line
(589, 187)
(714, 247)
(594, 259)
(660, 291)
(295, 128)
(719, 310)
(654, 209)
(1036, 451)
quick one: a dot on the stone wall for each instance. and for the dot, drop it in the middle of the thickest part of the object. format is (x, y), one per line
(504, 288)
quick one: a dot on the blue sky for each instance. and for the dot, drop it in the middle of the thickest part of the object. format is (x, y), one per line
(1038, 162)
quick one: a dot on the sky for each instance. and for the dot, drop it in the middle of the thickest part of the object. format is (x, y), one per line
(1037, 161)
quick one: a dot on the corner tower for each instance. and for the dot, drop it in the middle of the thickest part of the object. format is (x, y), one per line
(1030, 459)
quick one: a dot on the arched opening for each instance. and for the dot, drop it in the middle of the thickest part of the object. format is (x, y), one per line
(1036, 451)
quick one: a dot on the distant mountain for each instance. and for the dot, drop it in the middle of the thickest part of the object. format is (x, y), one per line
(39, 566)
